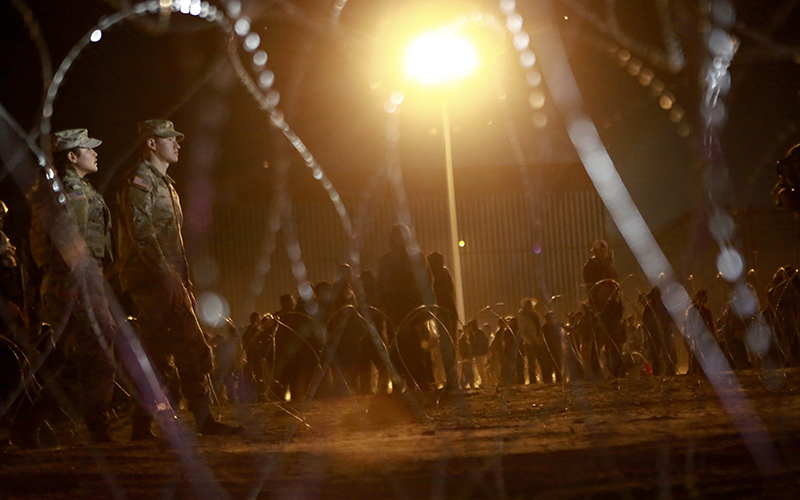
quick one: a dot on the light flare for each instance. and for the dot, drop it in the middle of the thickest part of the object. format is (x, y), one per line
(440, 57)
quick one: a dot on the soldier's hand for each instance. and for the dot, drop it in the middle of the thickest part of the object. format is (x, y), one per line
(176, 292)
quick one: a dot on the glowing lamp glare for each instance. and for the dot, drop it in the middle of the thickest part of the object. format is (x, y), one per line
(440, 57)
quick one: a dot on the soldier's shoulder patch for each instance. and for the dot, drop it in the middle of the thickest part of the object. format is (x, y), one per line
(141, 182)
(78, 194)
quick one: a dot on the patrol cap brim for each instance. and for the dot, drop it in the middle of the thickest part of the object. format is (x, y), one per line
(158, 128)
(177, 135)
(172, 133)
(91, 143)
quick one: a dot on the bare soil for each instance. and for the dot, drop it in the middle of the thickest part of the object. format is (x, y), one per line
(678, 437)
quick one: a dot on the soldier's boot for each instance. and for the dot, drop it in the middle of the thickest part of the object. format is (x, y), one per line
(98, 431)
(96, 419)
(25, 434)
(99, 434)
(207, 425)
(142, 428)
(212, 427)
(24, 431)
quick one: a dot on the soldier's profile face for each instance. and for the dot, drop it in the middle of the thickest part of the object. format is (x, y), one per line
(85, 161)
(166, 149)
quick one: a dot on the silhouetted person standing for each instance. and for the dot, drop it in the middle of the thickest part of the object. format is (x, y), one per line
(660, 329)
(405, 283)
(786, 192)
(699, 329)
(256, 345)
(349, 345)
(447, 313)
(600, 278)
(530, 331)
(512, 371)
(734, 326)
(554, 344)
(479, 347)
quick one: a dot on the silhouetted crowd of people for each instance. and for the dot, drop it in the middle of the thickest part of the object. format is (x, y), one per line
(371, 334)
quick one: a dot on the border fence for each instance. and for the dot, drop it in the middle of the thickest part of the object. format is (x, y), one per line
(514, 246)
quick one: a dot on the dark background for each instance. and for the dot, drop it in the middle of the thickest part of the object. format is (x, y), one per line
(333, 87)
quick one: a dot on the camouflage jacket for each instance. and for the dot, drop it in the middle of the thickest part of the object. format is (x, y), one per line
(8, 256)
(150, 241)
(93, 221)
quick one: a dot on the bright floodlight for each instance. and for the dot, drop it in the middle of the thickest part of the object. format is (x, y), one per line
(440, 57)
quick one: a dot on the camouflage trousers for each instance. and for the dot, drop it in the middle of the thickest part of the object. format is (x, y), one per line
(78, 374)
(172, 334)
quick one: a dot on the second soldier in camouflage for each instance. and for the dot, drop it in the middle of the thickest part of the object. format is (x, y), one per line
(155, 273)
(71, 244)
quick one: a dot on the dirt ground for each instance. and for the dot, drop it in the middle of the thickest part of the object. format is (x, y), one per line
(678, 437)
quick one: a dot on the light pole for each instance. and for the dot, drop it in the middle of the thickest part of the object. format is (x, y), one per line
(451, 210)
(439, 58)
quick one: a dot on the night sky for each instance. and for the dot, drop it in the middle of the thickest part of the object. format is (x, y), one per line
(333, 83)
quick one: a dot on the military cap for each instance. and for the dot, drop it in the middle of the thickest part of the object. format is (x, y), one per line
(158, 128)
(73, 138)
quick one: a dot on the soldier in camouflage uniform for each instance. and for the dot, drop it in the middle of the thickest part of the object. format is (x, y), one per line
(10, 284)
(154, 271)
(71, 243)
(8, 258)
